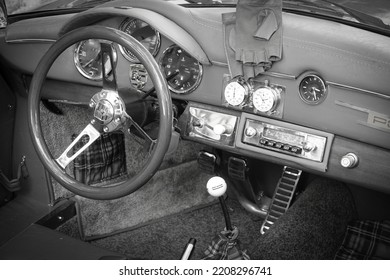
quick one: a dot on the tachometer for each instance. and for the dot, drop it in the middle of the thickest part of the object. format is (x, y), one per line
(184, 72)
(88, 61)
(144, 33)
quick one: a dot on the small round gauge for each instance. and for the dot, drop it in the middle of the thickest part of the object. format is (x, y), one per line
(183, 72)
(88, 61)
(312, 89)
(236, 92)
(265, 99)
(144, 33)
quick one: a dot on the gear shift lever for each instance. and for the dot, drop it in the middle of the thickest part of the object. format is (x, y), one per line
(216, 187)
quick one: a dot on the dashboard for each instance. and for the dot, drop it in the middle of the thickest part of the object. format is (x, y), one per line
(324, 107)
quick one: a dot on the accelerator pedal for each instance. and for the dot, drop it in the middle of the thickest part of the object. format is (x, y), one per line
(282, 198)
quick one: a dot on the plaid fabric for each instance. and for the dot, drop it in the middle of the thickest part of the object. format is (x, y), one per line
(225, 246)
(104, 160)
(366, 240)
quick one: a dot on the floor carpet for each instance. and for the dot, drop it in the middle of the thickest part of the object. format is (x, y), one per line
(313, 228)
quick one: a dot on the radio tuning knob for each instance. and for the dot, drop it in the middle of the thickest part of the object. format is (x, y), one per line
(308, 147)
(250, 132)
(349, 160)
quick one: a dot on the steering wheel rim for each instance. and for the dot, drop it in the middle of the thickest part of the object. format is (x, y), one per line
(165, 127)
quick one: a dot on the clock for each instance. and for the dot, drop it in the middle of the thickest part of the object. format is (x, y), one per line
(312, 89)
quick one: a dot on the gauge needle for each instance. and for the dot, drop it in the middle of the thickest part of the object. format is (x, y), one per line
(313, 90)
(89, 62)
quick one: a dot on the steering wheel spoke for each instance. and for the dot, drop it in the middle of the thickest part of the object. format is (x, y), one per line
(108, 67)
(149, 142)
(92, 133)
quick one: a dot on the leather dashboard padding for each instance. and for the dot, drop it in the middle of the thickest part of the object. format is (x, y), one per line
(165, 26)
(26, 30)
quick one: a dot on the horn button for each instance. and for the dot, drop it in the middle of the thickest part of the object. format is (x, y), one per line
(110, 111)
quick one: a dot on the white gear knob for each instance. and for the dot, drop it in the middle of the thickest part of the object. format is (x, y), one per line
(216, 186)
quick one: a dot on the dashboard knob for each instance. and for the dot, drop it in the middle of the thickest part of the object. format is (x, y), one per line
(220, 129)
(349, 160)
(250, 132)
(308, 147)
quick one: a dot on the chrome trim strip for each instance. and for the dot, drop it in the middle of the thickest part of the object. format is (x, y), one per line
(350, 106)
(372, 126)
(280, 75)
(359, 90)
(22, 41)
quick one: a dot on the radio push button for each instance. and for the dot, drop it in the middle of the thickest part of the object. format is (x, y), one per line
(286, 147)
(271, 143)
(278, 145)
(263, 141)
(296, 150)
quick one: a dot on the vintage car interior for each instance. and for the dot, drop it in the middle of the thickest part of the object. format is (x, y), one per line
(116, 117)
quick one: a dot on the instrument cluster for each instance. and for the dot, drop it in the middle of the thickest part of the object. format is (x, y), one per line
(182, 71)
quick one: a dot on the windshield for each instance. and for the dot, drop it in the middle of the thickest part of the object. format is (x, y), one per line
(369, 12)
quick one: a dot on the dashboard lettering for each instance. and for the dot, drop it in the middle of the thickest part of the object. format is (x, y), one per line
(379, 121)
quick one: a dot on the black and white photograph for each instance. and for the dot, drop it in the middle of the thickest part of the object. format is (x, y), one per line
(155, 139)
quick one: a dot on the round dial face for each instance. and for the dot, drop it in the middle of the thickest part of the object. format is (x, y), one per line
(312, 89)
(88, 60)
(264, 99)
(235, 93)
(183, 72)
(144, 33)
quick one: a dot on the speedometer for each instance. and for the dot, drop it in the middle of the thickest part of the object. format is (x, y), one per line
(88, 61)
(183, 72)
(144, 33)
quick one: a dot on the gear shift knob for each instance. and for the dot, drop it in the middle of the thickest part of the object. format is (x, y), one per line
(216, 186)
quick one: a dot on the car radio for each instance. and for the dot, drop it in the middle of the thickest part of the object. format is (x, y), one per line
(285, 140)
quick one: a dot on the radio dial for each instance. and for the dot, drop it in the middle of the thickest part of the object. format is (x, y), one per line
(309, 147)
(250, 132)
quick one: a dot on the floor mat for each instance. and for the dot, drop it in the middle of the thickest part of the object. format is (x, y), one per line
(170, 191)
(167, 237)
(313, 228)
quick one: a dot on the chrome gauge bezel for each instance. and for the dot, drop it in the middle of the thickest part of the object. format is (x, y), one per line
(322, 84)
(273, 94)
(126, 53)
(237, 81)
(198, 80)
(81, 69)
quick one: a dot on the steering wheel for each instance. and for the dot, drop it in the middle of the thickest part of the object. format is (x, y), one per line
(109, 112)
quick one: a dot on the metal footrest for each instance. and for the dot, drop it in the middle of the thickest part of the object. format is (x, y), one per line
(283, 196)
